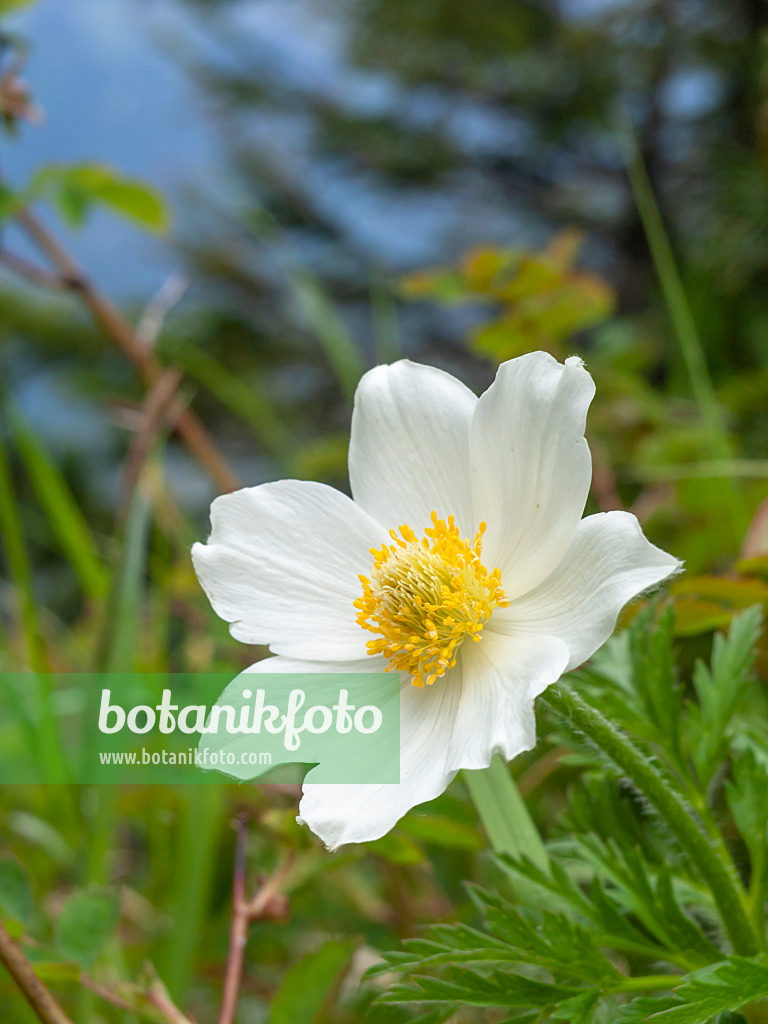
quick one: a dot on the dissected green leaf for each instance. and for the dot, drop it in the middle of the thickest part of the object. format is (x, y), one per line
(747, 797)
(721, 686)
(723, 987)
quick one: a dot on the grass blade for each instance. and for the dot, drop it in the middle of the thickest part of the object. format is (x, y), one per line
(57, 500)
(324, 319)
(503, 813)
(677, 303)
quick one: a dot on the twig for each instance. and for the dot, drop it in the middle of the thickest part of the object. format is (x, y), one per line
(244, 912)
(111, 321)
(158, 308)
(238, 929)
(266, 902)
(29, 271)
(159, 998)
(36, 993)
(104, 993)
(155, 412)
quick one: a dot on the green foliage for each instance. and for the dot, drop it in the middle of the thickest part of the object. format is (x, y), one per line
(308, 984)
(85, 923)
(616, 909)
(504, 813)
(723, 987)
(75, 189)
(620, 904)
(542, 299)
(15, 891)
(65, 516)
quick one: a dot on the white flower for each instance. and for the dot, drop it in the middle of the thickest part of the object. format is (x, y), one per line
(487, 615)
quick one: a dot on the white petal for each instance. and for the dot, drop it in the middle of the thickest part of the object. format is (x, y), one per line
(531, 466)
(409, 451)
(232, 695)
(500, 676)
(609, 562)
(281, 566)
(341, 814)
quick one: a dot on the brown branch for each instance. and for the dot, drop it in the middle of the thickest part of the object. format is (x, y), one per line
(116, 327)
(238, 929)
(35, 992)
(268, 902)
(156, 411)
(157, 997)
(106, 994)
(30, 271)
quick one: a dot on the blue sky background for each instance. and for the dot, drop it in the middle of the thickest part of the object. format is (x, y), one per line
(103, 72)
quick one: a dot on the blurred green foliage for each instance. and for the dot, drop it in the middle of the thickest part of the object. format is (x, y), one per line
(288, 305)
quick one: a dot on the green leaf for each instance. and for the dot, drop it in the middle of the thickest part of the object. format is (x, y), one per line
(503, 812)
(136, 200)
(86, 921)
(397, 849)
(325, 321)
(721, 687)
(578, 1009)
(310, 983)
(746, 797)
(468, 987)
(15, 890)
(723, 987)
(75, 188)
(64, 515)
(441, 831)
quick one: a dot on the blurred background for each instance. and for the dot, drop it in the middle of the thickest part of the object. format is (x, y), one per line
(236, 208)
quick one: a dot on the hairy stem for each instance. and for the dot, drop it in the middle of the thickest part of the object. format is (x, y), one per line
(719, 876)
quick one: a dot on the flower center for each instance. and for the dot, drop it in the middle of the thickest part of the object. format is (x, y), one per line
(425, 597)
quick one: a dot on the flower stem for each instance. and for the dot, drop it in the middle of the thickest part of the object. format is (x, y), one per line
(719, 876)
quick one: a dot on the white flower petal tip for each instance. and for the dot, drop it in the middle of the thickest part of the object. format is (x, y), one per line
(609, 563)
(531, 466)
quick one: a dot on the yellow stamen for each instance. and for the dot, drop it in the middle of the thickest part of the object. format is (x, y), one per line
(425, 597)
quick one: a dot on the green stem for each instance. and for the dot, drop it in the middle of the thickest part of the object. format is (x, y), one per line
(726, 889)
(663, 981)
